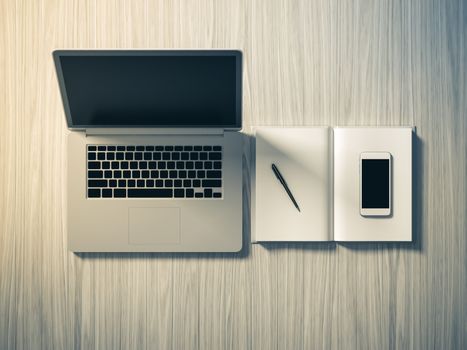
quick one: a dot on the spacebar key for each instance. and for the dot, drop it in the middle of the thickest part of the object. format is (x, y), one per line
(149, 193)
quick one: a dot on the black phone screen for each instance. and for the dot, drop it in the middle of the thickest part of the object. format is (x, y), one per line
(375, 183)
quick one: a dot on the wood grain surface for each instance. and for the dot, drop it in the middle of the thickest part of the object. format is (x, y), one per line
(319, 62)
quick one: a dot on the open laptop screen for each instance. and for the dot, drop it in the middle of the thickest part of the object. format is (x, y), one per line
(150, 88)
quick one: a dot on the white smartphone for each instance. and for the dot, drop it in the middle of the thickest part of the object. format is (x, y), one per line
(375, 183)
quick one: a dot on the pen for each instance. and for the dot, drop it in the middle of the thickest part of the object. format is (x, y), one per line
(284, 184)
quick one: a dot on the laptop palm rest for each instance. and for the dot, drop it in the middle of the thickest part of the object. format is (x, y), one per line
(154, 225)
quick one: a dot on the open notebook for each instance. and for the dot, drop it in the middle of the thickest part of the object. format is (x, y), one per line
(321, 166)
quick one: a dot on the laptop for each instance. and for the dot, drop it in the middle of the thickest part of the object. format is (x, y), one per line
(154, 149)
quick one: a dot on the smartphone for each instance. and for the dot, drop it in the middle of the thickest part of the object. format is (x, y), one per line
(375, 183)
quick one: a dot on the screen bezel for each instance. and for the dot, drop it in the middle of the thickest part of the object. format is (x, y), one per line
(375, 211)
(57, 54)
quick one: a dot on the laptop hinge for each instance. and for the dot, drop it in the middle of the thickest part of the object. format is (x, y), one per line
(154, 131)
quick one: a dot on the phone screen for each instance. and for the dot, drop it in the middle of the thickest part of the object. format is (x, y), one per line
(375, 183)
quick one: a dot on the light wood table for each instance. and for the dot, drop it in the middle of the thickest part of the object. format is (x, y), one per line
(323, 62)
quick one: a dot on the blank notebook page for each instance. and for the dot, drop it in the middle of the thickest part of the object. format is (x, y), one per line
(304, 158)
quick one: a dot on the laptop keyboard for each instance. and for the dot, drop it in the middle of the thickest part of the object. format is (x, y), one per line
(117, 171)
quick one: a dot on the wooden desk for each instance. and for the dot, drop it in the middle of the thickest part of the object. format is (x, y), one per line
(350, 62)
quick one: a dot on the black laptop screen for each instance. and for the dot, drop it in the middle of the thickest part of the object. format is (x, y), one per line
(167, 90)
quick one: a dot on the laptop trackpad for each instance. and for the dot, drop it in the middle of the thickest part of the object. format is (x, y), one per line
(154, 225)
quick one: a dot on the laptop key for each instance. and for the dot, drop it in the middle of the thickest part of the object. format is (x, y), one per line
(179, 193)
(108, 174)
(217, 195)
(207, 193)
(112, 183)
(95, 174)
(129, 156)
(189, 193)
(119, 193)
(217, 148)
(215, 156)
(156, 156)
(150, 193)
(101, 148)
(159, 183)
(140, 183)
(110, 156)
(106, 193)
(119, 155)
(198, 195)
(94, 193)
(212, 183)
(147, 156)
(101, 156)
(197, 148)
(97, 183)
(217, 165)
(184, 156)
(92, 148)
(94, 165)
(91, 156)
(213, 174)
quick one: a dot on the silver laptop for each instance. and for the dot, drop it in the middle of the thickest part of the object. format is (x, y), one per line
(154, 152)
